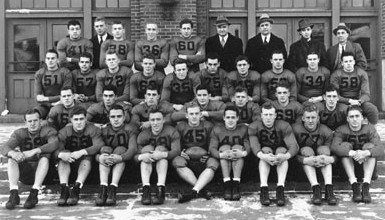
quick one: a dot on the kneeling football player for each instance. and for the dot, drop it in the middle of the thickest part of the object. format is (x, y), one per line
(156, 146)
(229, 143)
(120, 146)
(194, 158)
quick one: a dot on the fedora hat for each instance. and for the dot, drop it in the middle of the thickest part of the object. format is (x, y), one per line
(264, 18)
(304, 23)
(341, 26)
(221, 20)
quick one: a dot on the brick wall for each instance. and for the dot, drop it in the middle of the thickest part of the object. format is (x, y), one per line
(202, 17)
(166, 16)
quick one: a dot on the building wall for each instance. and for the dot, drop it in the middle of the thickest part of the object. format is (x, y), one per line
(382, 35)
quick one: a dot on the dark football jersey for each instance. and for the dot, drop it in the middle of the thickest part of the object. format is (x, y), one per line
(159, 48)
(124, 49)
(270, 81)
(252, 82)
(139, 83)
(140, 112)
(179, 91)
(72, 49)
(85, 83)
(290, 113)
(193, 47)
(332, 119)
(97, 113)
(198, 136)
(58, 116)
(321, 136)
(215, 83)
(248, 113)
(311, 84)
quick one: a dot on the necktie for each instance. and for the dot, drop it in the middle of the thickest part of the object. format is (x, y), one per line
(343, 50)
(223, 42)
(265, 41)
(101, 40)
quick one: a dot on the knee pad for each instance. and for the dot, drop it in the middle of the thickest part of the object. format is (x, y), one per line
(280, 150)
(106, 150)
(224, 148)
(267, 150)
(119, 150)
(147, 149)
(367, 146)
(307, 151)
(238, 147)
(179, 162)
(346, 145)
(161, 148)
(323, 150)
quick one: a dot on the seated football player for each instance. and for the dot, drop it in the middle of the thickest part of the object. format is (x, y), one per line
(214, 78)
(156, 146)
(194, 165)
(116, 75)
(357, 144)
(28, 150)
(274, 143)
(78, 143)
(249, 111)
(84, 80)
(178, 87)
(120, 146)
(58, 115)
(211, 110)
(331, 112)
(229, 144)
(312, 80)
(250, 79)
(97, 113)
(149, 76)
(314, 140)
(140, 113)
(286, 109)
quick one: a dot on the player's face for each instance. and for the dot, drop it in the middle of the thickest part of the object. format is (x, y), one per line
(51, 61)
(331, 99)
(312, 61)
(156, 121)
(243, 67)
(282, 95)
(230, 119)
(212, 65)
(148, 65)
(186, 30)
(118, 31)
(193, 116)
(151, 97)
(85, 64)
(223, 29)
(108, 97)
(268, 117)
(310, 120)
(277, 61)
(74, 31)
(355, 119)
(348, 63)
(116, 118)
(265, 28)
(112, 61)
(67, 98)
(100, 28)
(78, 122)
(342, 36)
(151, 31)
(33, 122)
(203, 97)
(306, 32)
(181, 70)
(241, 99)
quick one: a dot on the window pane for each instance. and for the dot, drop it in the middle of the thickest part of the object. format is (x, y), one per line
(27, 3)
(216, 3)
(319, 32)
(228, 4)
(26, 47)
(124, 3)
(361, 34)
(59, 31)
(239, 3)
(112, 3)
(263, 3)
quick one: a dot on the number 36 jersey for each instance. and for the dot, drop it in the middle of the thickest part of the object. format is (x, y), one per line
(159, 48)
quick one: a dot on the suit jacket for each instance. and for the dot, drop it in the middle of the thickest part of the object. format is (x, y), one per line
(96, 51)
(227, 54)
(260, 54)
(300, 49)
(359, 55)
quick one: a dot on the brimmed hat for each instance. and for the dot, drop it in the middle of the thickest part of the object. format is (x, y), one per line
(341, 26)
(221, 20)
(304, 23)
(264, 18)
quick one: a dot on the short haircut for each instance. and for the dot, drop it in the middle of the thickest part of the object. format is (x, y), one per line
(212, 56)
(312, 52)
(110, 88)
(111, 52)
(117, 22)
(346, 54)
(231, 108)
(103, 19)
(73, 22)
(240, 89)
(86, 55)
(201, 87)
(310, 107)
(267, 106)
(149, 56)
(331, 88)
(67, 88)
(31, 111)
(154, 111)
(78, 110)
(52, 51)
(277, 52)
(241, 58)
(354, 107)
(284, 84)
(116, 107)
(186, 21)
(179, 61)
(152, 88)
(192, 105)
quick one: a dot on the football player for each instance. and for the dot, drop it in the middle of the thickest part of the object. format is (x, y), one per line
(58, 115)
(249, 111)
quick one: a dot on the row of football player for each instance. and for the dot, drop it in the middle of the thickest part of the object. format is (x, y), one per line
(194, 144)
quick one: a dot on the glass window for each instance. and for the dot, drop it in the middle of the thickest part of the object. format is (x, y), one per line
(59, 30)
(361, 34)
(26, 47)
(319, 32)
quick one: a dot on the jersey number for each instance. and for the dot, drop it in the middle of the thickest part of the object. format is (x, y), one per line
(345, 82)
(182, 45)
(155, 50)
(80, 82)
(310, 81)
(197, 133)
(49, 80)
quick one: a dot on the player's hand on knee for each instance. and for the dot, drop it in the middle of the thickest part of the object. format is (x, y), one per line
(269, 158)
(114, 159)
(158, 155)
(184, 155)
(280, 158)
(146, 157)
(361, 155)
(77, 154)
(103, 159)
(227, 154)
(237, 154)
(310, 161)
(66, 156)
(30, 153)
(17, 156)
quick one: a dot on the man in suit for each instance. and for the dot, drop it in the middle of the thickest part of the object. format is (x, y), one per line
(334, 53)
(227, 46)
(101, 28)
(259, 48)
